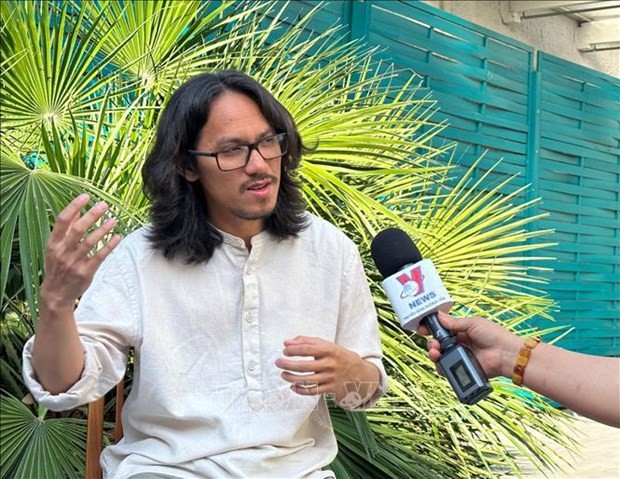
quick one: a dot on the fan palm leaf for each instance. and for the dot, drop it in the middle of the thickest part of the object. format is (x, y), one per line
(31, 199)
(161, 40)
(59, 70)
(36, 446)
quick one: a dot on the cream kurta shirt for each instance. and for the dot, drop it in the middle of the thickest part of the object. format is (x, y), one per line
(207, 400)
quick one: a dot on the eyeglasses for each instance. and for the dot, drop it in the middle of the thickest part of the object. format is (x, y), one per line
(238, 156)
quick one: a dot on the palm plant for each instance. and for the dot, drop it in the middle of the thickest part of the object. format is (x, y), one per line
(84, 85)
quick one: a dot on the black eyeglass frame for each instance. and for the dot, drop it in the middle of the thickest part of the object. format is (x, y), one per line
(280, 137)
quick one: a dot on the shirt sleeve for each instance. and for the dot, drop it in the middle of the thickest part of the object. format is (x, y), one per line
(358, 328)
(107, 324)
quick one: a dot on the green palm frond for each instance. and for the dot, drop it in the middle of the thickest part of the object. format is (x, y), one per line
(479, 240)
(32, 198)
(14, 331)
(395, 454)
(59, 70)
(36, 446)
(169, 40)
(360, 126)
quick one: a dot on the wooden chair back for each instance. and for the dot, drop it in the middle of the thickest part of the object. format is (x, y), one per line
(94, 435)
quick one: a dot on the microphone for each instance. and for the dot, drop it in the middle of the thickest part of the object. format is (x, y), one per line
(416, 293)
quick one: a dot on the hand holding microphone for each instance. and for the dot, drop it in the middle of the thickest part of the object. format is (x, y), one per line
(586, 384)
(494, 346)
(416, 293)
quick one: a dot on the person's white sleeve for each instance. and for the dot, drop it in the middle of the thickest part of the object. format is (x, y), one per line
(107, 324)
(358, 328)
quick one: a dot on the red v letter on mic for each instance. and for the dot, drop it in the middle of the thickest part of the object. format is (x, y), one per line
(414, 276)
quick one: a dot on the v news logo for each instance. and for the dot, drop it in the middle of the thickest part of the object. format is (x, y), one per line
(413, 284)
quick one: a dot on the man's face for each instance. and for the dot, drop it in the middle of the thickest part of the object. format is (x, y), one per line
(238, 200)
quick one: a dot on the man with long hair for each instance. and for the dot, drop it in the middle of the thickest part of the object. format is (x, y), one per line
(243, 309)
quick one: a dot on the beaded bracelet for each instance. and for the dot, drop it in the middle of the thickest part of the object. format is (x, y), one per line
(522, 360)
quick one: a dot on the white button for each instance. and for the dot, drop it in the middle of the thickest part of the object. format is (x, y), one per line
(251, 366)
(249, 318)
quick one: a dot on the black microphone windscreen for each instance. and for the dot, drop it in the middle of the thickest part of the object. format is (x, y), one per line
(392, 249)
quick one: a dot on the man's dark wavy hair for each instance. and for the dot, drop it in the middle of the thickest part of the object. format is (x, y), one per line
(178, 213)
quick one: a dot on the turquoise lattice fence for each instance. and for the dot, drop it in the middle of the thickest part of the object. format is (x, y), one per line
(554, 123)
(578, 177)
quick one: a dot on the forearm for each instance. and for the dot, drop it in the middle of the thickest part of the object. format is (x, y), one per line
(588, 385)
(57, 355)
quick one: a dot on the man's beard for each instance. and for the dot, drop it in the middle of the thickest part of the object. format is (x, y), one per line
(254, 215)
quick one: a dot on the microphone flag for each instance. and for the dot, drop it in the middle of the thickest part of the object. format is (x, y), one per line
(416, 291)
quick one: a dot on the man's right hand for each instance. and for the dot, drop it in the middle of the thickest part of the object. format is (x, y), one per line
(73, 253)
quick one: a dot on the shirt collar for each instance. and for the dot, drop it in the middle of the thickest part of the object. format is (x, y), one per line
(233, 240)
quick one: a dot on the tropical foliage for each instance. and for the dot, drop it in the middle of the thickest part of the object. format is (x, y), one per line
(83, 86)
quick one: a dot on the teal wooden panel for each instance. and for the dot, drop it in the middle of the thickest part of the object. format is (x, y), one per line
(506, 73)
(486, 141)
(413, 11)
(606, 128)
(581, 209)
(330, 14)
(580, 147)
(595, 136)
(589, 296)
(569, 71)
(603, 222)
(608, 191)
(596, 206)
(478, 121)
(570, 286)
(599, 232)
(465, 107)
(574, 110)
(590, 327)
(576, 91)
(604, 132)
(479, 79)
(591, 168)
(579, 173)
(558, 123)
(563, 191)
(569, 246)
(607, 269)
(440, 68)
(584, 206)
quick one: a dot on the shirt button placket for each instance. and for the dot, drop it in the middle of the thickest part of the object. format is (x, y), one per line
(251, 338)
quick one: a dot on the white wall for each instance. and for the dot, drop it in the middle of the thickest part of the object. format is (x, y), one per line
(555, 35)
